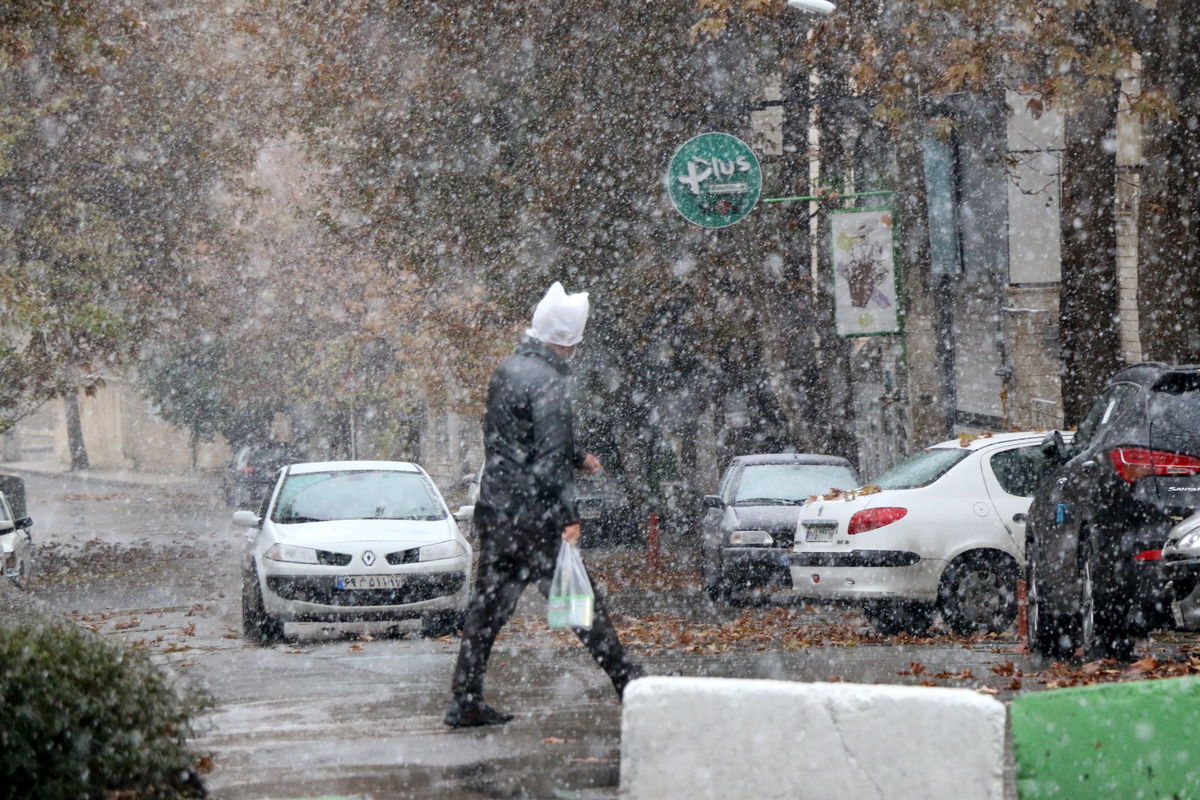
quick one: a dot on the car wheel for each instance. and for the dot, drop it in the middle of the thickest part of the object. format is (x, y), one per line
(22, 577)
(714, 582)
(442, 623)
(1102, 629)
(978, 594)
(1051, 635)
(258, 625)
(903, 616)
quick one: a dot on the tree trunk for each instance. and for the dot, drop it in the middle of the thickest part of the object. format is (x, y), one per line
(75, 443)
(1090, 342)
(929, 420)
(833, 394)
(1168, 246)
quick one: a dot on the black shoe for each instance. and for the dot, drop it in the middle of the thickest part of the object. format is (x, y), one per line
(463, 716)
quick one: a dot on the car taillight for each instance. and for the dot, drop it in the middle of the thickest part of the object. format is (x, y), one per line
(1149, 555)
(1135, 463)
(871, 518)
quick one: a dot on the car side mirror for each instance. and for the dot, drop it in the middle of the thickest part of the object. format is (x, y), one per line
(713, 501)
(246, 519)
(25, 523)
(1053, 447)
(464, 514)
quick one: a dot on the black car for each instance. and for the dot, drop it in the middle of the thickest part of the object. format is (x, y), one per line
(1098, 524)
(606, 515)
(251, 472)
(749, 525)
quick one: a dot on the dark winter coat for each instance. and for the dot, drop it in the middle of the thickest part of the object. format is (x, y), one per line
(528, 484)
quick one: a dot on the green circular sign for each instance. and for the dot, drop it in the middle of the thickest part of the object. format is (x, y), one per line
(714, 179)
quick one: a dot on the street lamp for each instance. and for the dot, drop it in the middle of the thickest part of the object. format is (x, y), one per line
(822, 7)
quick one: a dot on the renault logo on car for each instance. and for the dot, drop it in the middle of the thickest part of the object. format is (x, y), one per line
(368, 558)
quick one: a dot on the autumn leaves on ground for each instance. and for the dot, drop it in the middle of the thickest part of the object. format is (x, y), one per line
(768, 627)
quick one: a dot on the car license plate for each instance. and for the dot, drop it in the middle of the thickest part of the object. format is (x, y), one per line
(589, 513)
(352, 582)
(822, 533)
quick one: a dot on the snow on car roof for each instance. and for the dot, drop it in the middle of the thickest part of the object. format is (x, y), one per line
(977, 441)
(349, 466)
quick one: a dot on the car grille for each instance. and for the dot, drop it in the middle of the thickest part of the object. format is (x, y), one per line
(322, 591)
(410, 556)
(332, 559)
(784, 537)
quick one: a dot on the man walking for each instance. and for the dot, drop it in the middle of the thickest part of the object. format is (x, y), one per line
(526, 506)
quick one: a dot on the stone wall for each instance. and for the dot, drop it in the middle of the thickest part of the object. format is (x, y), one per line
(1035, 398)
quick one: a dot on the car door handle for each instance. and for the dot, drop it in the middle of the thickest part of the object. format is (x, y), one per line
(1020, 517)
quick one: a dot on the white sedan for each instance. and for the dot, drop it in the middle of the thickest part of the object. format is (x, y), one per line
(353, 540)
(942, 531)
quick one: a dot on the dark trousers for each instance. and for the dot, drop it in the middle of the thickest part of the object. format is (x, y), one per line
(505, 569)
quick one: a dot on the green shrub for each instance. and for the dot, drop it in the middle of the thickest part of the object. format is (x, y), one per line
(82, 718)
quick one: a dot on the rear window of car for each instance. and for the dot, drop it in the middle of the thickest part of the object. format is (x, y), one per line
(1020, 471)
(790, 484)
(1176, 400)
(356, 494)
(921, 469)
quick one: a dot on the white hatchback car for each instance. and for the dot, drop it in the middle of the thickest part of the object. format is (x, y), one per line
(943, 530)
(349, 541)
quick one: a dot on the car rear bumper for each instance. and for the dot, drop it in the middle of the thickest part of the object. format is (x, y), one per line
(866, 575)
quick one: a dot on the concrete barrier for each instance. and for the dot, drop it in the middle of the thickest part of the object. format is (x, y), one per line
(700, 738)
(1116, 741)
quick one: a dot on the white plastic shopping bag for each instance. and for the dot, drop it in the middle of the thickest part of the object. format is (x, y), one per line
(571, 597)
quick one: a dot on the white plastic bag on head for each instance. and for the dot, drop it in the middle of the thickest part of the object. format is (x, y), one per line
(560, 317)
(571, 598)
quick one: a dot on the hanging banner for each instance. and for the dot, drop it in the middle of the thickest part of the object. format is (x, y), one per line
(864, 272)
(714, 180)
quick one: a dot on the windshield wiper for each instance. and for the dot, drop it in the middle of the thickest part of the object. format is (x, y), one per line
(297, 520)
(767, 501)
(423, 518)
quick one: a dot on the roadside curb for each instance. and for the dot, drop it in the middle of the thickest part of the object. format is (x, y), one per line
(120, 478)
(1108, 742)
(715, 738)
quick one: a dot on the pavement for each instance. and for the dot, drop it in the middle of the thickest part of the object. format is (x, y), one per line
(192, 481)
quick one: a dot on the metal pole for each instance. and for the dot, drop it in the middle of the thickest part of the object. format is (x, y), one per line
(809, 199)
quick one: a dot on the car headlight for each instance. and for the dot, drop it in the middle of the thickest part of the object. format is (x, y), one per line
(1189, 541)
(750, 537)
(441, 550)
(291, 553)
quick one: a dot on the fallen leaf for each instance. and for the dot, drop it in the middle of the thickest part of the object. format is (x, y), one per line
(127, 624)
(1006, 669)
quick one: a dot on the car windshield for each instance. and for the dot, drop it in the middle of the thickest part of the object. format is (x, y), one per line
(790, 484)
(357, 494)
(921, 469)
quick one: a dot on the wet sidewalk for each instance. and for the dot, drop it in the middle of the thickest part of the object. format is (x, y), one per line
(191, 481)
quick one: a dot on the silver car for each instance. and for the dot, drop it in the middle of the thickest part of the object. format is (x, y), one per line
(1181, 569)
